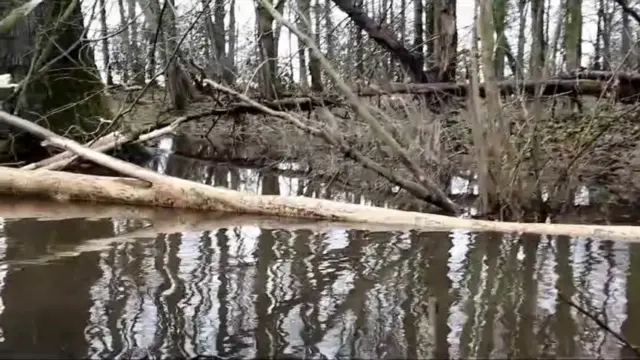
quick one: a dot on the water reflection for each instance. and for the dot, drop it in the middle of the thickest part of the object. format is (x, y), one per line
(93, 282)
(251, 292)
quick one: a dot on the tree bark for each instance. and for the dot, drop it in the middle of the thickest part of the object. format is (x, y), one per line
(106, 54)
(230, 69)
(137, 64)
(573, 34)
(625, 46)
(537, 61)
(178, 193)
(304, 21)
(126, 44)
(499, 18)
(314, 64)
(64, 82)
(446, 35)
(384, 38)
(418, 32)
(522, 22)
(267, 49)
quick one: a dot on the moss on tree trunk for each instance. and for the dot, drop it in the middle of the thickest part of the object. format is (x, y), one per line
(66, 96)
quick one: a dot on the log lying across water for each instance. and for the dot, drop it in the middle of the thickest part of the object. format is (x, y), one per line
(145, 187)
(62, 186)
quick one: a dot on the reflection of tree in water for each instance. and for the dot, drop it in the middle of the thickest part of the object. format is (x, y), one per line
(38, 299)
(253, 292)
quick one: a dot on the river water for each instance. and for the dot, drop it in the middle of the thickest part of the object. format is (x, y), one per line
(97, 281)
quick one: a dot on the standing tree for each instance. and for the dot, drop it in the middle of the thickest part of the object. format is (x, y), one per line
(61, 87)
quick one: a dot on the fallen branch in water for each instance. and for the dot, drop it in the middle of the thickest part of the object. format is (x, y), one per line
(178, 193)
(153, 189)
(429, 193)
(113, 140)
(68, 154)
(601, 324)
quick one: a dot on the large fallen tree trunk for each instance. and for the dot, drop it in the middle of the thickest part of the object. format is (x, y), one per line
(556, 87)
(601, 75)
(63, 186)
(625, 86)
(551, 87)
(150, 188)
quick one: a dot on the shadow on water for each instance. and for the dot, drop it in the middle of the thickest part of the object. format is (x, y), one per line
(86, 281)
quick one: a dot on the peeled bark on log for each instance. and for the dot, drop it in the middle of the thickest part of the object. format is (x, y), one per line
(133, 137)
(63, 186)
(68, 154)
(112, 140)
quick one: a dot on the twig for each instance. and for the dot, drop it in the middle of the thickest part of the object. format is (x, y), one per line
(600, 323)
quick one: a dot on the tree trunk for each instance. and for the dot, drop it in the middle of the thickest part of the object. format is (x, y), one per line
(447, 42)
(267, 50)
(151, 51)
(383, 37)
(597, 50)
(145, 187)
(522, 23)
(499, 18)
(230, 72)
(328, 26)
(278, 29)
(106, 61)
(607, 16)
(496, 133)
(136, 64)
(573, 34)
(418, 40)
(211, 34)
(126, 44)
(304, 20)
(430, 33)
(48, 95)
(625, 47)
(315, 69)
(537, 43)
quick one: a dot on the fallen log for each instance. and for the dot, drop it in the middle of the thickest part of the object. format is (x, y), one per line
(600, 75)
(67, 154)
(624, 86)
(132, 137)
(113, 140)
(61, 186)
(302, 103)
(551, 88)
(153, 189)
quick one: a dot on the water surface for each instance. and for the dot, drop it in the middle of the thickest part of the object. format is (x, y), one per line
(96, 281)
